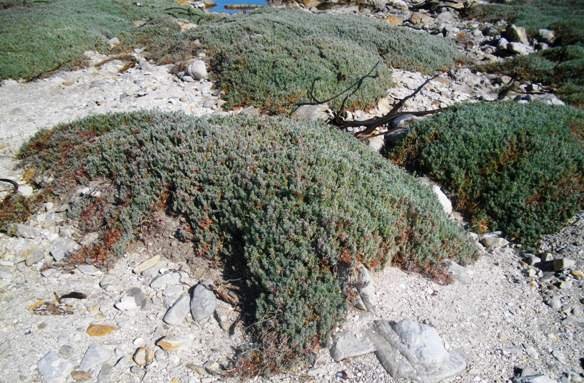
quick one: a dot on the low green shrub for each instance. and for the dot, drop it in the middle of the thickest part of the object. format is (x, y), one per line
(292, 206)
(270, 58)
(563, 16)
(41, 36)
(512, 167)
(560, 67)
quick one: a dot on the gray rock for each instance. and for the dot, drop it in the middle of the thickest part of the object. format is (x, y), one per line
(519, 48)
(458, 272)
(366, 288)
(349, 345)
(88, 270)
(311, 113)
(403, 121)
(25, 190)
(203, 303)
(105, 373)
(547, 36)
(563, 264)
(95, 356)
(443, 199)
(198, 70)
(516, 34)
(533, 378)
(376, 143)
(26, 231)
(531, 259)
(410, 350)
(62, 248)
(503, 44)
(492, 241)
(164, 280)
(133, 299)
(395, 136)
(54, 369)
(177, 313)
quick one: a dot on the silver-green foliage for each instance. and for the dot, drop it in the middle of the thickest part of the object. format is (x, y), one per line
(293, 205)
(269, 59)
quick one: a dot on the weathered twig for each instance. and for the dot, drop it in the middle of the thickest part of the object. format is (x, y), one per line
(13, 183)
(373, 123)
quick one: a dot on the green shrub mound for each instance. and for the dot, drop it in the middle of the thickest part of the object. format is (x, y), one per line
(293, 207)
(512, 167)
(560, 67)
(270, 58)
(563, 16)
(41, 36)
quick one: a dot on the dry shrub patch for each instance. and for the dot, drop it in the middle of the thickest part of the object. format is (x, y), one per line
(291, 207)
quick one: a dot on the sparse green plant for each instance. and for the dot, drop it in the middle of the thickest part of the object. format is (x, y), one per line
(292, 207)
(271, 58)
(37, 37)
(562, 66)
(511, 167)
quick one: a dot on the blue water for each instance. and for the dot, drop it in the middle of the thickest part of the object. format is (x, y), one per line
(220, 7)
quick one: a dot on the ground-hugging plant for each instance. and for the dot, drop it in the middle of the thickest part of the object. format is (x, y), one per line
(41, 36)
(270, 58)
(512, 167)
(292, 206)
(562, 66)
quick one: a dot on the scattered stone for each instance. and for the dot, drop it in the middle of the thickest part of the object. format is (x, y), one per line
(531, 259)
(213, 368)
(547, 36)
(100, 329)
(62, 248)
(26, 231)
(578, 274)
(410, 350)
(443, 199)
(519, 48)
(105, 373)
(366, 288)
(94, 357)
(134, 299)
(143, 356)
(147, 264)
(177, 313)
(164, 280)
(25, 190)
(458, 272)
(421, 19)
(492, 241)
(563, 264)
(173, 343)
(532, 378)
(80, 376)
(516, 34)
(311, 113)
(394, 20)
(203, 303)
(88, 269)
(349, 345)
(198, 70)
(66, 351)
(54, 369)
